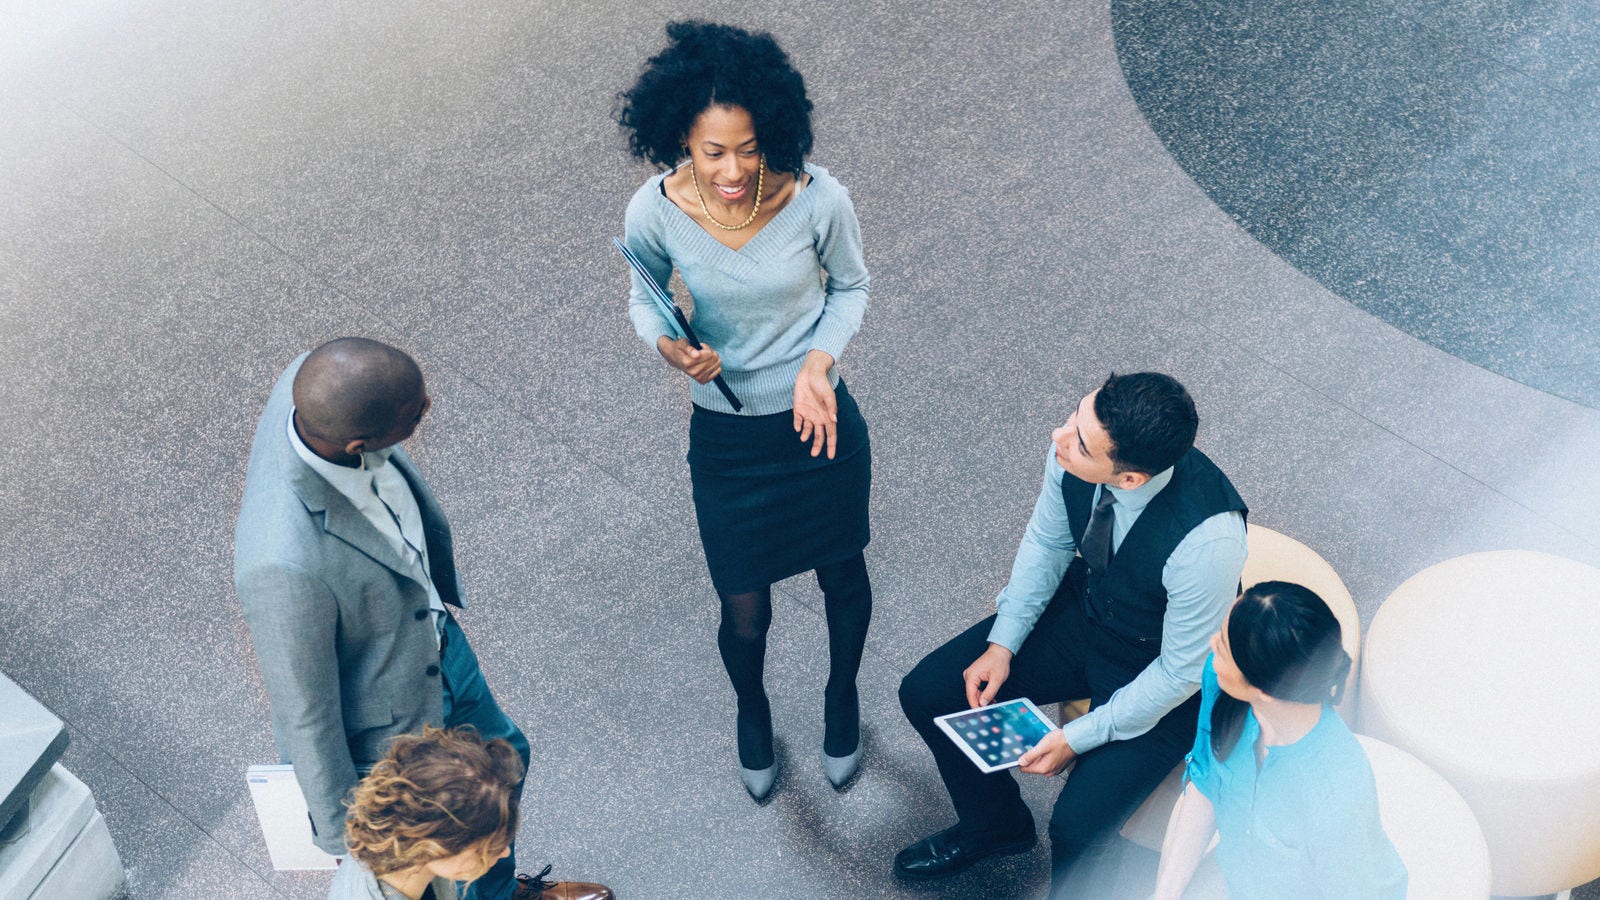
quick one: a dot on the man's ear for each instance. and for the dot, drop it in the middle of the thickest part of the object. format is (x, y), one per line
(1127, 481)
(356, 447)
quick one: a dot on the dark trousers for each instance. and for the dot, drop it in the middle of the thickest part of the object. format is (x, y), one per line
(467, 701)
(1065, 657)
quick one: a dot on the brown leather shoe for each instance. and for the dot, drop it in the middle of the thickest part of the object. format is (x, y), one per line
(535, 887)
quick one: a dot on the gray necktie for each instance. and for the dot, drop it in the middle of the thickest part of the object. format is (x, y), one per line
(421, 557)
(1097, 537)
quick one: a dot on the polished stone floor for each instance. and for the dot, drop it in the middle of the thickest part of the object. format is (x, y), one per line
(191, 195)
(1435, 162)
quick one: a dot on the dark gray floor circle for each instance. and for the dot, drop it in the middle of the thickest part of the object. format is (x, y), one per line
(1435, 162)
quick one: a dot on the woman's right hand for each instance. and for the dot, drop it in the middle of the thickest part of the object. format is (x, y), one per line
(702, 365)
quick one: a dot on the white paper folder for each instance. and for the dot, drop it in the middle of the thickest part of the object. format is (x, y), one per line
(285, 823)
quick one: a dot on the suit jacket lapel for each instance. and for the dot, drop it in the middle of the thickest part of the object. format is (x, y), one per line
(341, 519)
(435, 529)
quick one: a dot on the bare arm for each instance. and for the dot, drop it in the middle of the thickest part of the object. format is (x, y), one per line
(1187, 838)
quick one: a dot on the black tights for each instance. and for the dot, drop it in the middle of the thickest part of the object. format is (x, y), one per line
(742, 639)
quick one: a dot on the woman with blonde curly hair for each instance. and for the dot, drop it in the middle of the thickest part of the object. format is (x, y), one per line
(441, 808)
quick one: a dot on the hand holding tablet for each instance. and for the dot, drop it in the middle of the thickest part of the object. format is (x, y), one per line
(995, 737)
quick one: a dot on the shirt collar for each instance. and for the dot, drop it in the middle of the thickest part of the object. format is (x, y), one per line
(334, 473)
(1309, 743)
(1138, 498)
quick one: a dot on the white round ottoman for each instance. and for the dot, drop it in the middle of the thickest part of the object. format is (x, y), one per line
(1429, 824)
(1272, 556)
(1487, 668)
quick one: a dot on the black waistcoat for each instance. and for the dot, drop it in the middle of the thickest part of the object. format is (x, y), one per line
(1128, 600)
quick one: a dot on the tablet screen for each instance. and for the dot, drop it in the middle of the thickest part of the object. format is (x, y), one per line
(996, 736)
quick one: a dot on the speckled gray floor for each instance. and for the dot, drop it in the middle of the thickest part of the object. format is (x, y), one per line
(189, 197)
(1437, 163)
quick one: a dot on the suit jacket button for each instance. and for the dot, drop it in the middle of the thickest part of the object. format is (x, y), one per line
(420, 614)
(433, 670)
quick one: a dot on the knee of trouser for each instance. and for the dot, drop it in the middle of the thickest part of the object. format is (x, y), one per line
(914, 699)
(927, 691)
(1071, 835)
(908, 693)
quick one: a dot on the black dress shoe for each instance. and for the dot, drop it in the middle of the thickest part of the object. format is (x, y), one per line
(949, 852)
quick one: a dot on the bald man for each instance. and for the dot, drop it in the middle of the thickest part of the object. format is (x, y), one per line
(344, 567)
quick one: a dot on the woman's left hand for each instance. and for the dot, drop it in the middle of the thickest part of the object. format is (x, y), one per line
(816, 410)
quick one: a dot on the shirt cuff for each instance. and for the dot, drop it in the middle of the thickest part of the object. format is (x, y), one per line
(653, 329)
(1084, 733)
(831, 336)
(1009, 632)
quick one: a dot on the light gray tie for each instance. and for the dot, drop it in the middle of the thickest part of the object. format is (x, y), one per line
(422, 558)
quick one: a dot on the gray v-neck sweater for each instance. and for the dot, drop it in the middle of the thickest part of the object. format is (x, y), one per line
(799, 284)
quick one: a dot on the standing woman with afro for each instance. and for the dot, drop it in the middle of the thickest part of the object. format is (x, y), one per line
(770, 250)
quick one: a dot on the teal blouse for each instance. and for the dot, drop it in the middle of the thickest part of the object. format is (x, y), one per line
(1305, 823)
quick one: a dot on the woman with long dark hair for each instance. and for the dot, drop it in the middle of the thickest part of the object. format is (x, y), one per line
(1275, 773)
(770, 250)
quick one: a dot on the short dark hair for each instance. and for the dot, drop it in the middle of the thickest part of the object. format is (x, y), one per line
(1150, 419)
(705, 64)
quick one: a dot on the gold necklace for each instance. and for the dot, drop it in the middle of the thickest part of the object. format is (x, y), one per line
(761, 173)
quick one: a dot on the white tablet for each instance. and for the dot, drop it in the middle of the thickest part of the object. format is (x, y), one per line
(995, 737)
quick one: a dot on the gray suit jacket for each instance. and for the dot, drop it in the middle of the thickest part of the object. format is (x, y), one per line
(338, 620)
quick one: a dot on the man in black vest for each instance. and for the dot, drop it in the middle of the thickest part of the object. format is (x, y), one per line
(1126, 569)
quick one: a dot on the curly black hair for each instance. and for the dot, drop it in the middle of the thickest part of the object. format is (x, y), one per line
(706, 64)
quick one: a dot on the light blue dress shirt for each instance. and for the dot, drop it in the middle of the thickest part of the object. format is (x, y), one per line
(1201, 577)
(1302, 824)
(354, 881)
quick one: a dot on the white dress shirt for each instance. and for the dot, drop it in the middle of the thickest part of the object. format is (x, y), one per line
(381, 494)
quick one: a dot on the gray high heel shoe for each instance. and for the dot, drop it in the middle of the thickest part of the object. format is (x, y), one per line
(841, 769)
(759, 781)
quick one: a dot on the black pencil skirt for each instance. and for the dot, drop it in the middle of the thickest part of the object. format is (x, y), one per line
(767, 508)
